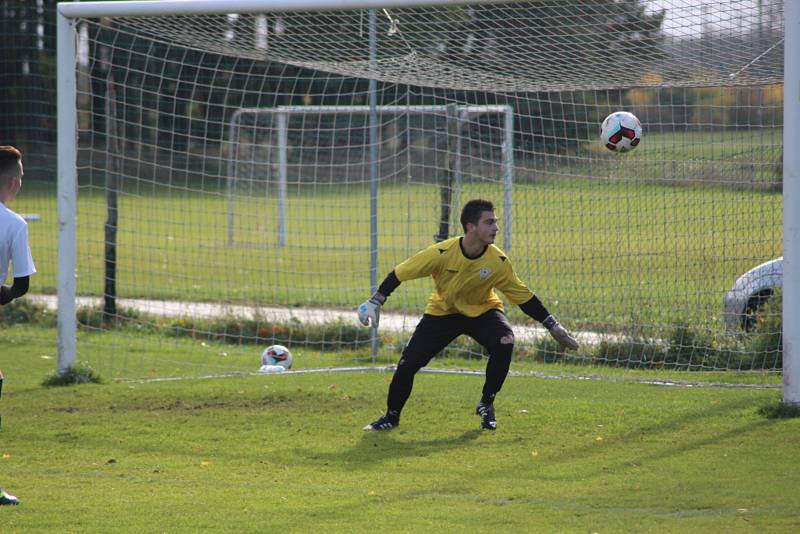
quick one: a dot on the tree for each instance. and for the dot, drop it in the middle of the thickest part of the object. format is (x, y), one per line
(27, 72)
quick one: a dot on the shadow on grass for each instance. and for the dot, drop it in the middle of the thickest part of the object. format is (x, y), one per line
(376, 447)
(629, 443)
(780, 410)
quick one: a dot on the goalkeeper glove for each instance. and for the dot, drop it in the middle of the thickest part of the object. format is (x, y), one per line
(370, 311)
(559, 333)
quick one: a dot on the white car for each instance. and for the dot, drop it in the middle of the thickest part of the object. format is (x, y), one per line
(749, 293)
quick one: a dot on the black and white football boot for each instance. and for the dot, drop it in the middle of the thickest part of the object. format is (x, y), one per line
(384, 422)
(7, 498)
(486, 411)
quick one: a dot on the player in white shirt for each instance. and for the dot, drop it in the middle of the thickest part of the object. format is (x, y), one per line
(14, 246)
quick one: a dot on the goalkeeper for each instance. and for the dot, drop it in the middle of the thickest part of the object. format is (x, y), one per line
(465, 271)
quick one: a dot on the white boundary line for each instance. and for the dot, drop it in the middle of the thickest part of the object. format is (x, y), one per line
(466, 372)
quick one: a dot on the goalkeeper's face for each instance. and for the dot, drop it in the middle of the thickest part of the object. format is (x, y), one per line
(486, 230)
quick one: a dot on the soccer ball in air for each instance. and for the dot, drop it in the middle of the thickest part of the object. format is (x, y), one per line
(276, 355)
(621, 131)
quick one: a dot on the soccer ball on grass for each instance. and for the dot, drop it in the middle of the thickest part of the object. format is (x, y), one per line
(275, 358)
(621, 131)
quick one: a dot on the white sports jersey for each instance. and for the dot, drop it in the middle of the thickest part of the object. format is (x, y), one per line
(14, 245)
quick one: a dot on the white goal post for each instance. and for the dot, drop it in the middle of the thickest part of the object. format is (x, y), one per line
(282, 115)
(791, 195)
(640, 247)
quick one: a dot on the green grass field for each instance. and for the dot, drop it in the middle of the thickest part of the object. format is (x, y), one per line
(287, 453)
(603, 256)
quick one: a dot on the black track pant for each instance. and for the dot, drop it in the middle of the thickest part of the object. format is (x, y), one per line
(434, 333)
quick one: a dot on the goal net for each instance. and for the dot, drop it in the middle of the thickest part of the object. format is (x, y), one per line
(246, 179)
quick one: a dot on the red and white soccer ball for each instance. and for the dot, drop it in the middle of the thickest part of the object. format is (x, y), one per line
(276, 355)
(621, 131)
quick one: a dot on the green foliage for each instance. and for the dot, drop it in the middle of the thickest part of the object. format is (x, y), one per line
(765, 341)
(23, 310)
(548, 351)
(638, 353)
(464, 348)
(780, 410)
(545, 349)
(80, 373)
(94, 317)
(330, 335)
(687, 348)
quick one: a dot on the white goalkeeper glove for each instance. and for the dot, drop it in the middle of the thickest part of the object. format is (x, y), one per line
(559, 333)
(369, 313)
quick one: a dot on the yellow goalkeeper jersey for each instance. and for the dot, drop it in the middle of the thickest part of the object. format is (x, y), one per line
(463, 285)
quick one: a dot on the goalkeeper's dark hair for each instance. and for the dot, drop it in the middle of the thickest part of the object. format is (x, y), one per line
(471, 213)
